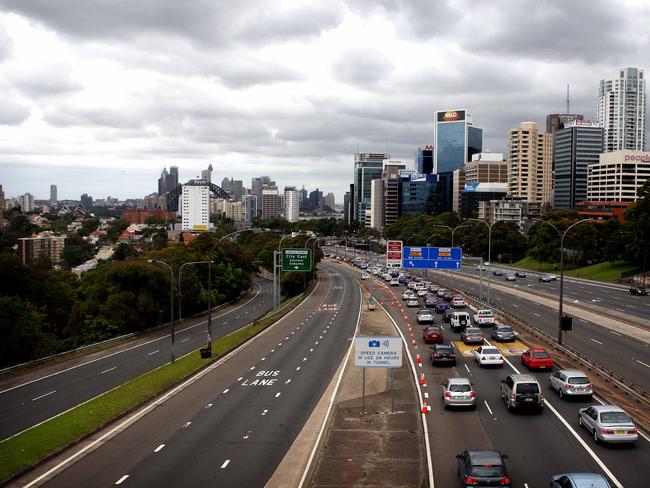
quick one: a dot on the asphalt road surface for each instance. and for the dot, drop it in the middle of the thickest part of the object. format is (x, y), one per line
(232, 426)
(26, 404)
(538, 445)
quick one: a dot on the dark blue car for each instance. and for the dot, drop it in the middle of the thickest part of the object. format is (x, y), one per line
(442, 307)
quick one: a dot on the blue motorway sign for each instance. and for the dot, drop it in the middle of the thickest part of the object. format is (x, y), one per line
(432, 257)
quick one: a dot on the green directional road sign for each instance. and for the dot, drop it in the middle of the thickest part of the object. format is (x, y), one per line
(298, 259)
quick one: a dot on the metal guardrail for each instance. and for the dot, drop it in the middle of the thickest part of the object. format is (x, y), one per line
(640, 394)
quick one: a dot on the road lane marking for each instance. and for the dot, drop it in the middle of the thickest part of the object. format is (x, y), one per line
(311, 350)
(467, 368)
(641, 362)
(263, 359)
(186, 339)
(515, 305)
(304, 359)
(122, 479)
(154, 352)
(597, 342)
(298, 368)
(316, 343)
(252, 368)
(488, 407)
(264, 412)
(225, 463)
(209, 405)
(187, 424)
(278, 394)
(107, 370)
(288, 381)
(225, 391)
(426, 395)
(615, 333)
(535, 313)
(240, 378)
(43, 396)
(157, 449)
(272, 350)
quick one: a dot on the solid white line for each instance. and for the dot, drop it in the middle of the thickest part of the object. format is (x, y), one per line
(278, 394)
(641, 362)
(157, 449)
(154, 352)
(225, 463)
(42, 396)
(488, 407)
(597, 342)
(122, 479)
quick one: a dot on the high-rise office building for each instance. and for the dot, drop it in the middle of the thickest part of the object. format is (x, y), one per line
(206, 174)
(429, 194)
(329, 201)
(270, 202)
(226, 185)
(237, 189)
(53, 196)
(575, 147)
(303, 196)
(483, 168)
(2, 198)
(424, 159)
(26, 202)
(555, 122)
(456, 139)
(315, 200)
(617, 176)
(376, 204)
(250, 207)
(530, 162)
(256, 189)
(348, 205)
(391, 186)
(195, 208)
(475, 192)
(168, 180)
(622, 109)
(86, 201)
(367, 167)
(291, 205)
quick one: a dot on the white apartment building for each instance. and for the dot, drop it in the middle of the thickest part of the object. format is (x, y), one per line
(270, 202)
(530, 163)
(195, 205)
(291, 204)
(509, 210)
(621, 109)
(617, 176)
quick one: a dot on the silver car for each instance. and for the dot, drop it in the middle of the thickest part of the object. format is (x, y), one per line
(458, 392)
(503, 333)
(570, 383)
(608, 423)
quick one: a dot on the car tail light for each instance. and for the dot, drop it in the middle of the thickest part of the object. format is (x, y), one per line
(607, 431)
(447, 394)
(541, 397)
(470, 481)
(472, 394)
(436, 355)
(504, 481)
(589, 386)
(452, 355)
(632, 431)
(512, 398)
(569, 385)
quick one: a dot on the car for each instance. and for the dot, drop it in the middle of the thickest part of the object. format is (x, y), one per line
(481, 268)
(364, 276)
(553, 277)
(522, 391)
(638, 291)
(442, 354)
(520, 274)
(537, 358)
(430, 300)
(503, 333)
(387, 277)
(413, 302)
(471, 335)
(441, 292)
(411, 285)
(608, 423)
(433, 288)
(570, 383)
(458, 302)
(407, 295)
(422, 292)
(484, 317)
(579, 480)
(394, 282)
(442, 307)
(425, 316)
(402, 280)
(458, 392)
(448, 296)
(459, 320)
(483, 467)
(488, 356)
(510, 277)
(497, 272)
(432, 334)
(544, 278)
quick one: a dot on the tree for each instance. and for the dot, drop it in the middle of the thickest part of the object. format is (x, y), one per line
(637, 216)
(20, 329)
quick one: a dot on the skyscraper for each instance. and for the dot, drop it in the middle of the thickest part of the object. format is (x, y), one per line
(329, 201)
(2, 198)
(250, 207)
(391, 187)
(162, 182)
(195, 209)
(575, 147)
(424, 159)
(237, 189)
(53, 196)
(256, 188)
(291, 206)
(377, 204)
(26, 202)
(455, 140)
(226, 185)
(530, 163)
(86, 201)
(206, 174)
(367, 167)
(622, 108)
(555, 122)
(168, 180)
(270, 202)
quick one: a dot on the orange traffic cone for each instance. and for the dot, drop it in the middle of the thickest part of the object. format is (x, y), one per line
(422, 381)
(417, 356)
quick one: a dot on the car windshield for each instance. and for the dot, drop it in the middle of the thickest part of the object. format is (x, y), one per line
(487, 471)
(504, 329)
(541, 355)
(614, 418)
(490, 350)
(473, 330)
(523, 388)
(579, 380)
(459, 388)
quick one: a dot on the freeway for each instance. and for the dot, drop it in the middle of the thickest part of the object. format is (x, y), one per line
(25, 402)
(538, 445)
(233, 423)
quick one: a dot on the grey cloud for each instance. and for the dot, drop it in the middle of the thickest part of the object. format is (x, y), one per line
(248, 73)
(361, 67)
(6, 44)
(47, 81)
(12, 112)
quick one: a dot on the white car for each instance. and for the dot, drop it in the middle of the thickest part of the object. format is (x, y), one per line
(460, 320)
(484, 317)
(387, 277)
(408, 294)
(481, 268)
(488, 356)
(394, 282)
(422, 292)
(364, 276)
(458, 302)
(413, 302)
(411, 285)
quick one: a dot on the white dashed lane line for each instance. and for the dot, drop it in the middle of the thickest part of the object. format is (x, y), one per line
(278, 394)
(488, 407)
(153, 352)
(597, 342)
(225, 463)
(43, 396)
(641, 362)
(298, 368)
(614, 332)
(186, 339)
(122, 479)
(187, 424)
(264, 412)
(225, 391)
(159, 448)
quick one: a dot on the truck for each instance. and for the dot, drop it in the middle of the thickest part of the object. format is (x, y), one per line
(484, 317)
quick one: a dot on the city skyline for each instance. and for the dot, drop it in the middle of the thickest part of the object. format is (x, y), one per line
(292, 93)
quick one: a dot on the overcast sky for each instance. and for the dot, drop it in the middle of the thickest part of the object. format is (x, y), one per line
(98, 96)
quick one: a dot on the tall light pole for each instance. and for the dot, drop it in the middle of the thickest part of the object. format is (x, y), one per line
(180, 318)
(171, 300)
(453, 231)
(489, 226)
(562, 235)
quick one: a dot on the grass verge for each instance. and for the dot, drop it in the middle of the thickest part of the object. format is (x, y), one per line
(31, 446)
(607, 271)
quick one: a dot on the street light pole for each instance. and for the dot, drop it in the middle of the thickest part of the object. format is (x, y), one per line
(180, 318)
(171, 300)
(453, 231)
(489, 226)
(562, 235)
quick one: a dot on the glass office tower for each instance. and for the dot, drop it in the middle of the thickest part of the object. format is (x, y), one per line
(456, 140)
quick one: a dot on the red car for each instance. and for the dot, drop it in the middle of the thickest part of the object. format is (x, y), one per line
(537, 358)
(432, 334)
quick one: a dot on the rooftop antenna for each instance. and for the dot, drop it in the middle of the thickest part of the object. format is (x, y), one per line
(567, 99)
